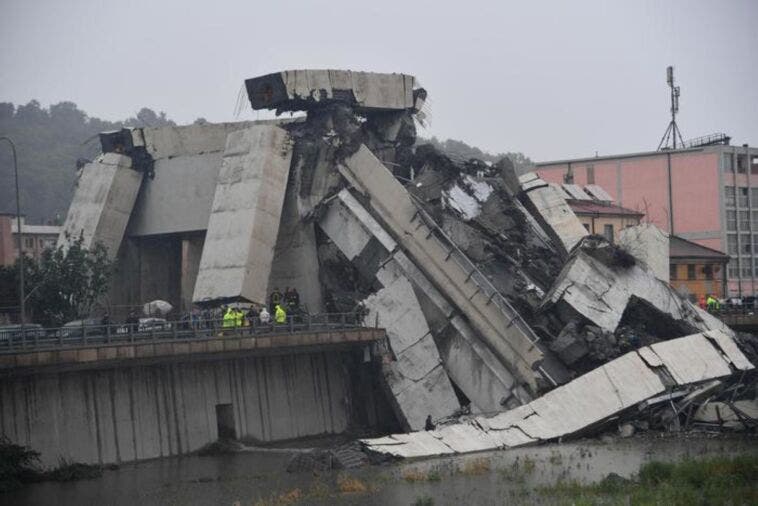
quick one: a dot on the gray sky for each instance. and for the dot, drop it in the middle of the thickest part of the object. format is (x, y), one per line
(552, 79)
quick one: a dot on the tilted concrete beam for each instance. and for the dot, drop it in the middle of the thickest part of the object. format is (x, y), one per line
(244, 222)
(501, 327)
(550, 209)
(105, 194)
(473, 367)
(417, 381)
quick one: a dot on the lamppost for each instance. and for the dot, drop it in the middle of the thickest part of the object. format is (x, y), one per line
(20, 237)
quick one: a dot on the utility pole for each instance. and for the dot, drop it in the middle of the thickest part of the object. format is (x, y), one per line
(22, 301)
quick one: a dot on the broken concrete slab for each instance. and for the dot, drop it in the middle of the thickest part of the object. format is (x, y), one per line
(244, 222)
(550, 209)
(447, 268)
(601, 294)
(293, 90)
(103, 201)
(568, 410)
(470, 363)
(416, 379)
(648, 244)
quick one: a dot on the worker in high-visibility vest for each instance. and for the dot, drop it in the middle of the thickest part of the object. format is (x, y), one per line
(280, 315)
(229, 319)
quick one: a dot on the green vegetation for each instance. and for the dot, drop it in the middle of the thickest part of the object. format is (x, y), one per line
(518, 471)
(424, 500)
(459, 149)
(50, 142)
(61, 286)
(713, 481)
(20, 464)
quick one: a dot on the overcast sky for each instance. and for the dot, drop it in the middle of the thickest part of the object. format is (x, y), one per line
(552, 79)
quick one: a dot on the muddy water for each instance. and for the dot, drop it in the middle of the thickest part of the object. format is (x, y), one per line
(503, 477)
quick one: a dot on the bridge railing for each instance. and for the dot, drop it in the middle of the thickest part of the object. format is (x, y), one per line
(91, 333)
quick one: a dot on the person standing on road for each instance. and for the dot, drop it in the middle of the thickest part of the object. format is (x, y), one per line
(229, 319)
(280, 315)
(264, 316)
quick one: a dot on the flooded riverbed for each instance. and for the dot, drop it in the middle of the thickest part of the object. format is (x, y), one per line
(501, 477)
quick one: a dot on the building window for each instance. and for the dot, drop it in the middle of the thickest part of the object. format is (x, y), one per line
(731, 221)
(754, 197)
(672, 271)
(590, 174)
(747, 267)
(744, 220)
(608, 232)
(741, 164)
(690, 271)
(731, 244)
(745, 245)
(729, 196)
(728, 162)
(708, 271)
(28, 242)
(742, 196)
(734, 270)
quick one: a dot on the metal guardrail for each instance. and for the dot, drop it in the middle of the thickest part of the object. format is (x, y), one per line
(35, 338)
(476, 276)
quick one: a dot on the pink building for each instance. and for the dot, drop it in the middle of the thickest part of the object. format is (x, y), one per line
(708, 195)
(37, 238)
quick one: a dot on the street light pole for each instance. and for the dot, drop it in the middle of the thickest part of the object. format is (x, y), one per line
(20, 237)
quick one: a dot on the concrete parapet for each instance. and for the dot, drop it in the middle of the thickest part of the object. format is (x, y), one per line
(102, 356)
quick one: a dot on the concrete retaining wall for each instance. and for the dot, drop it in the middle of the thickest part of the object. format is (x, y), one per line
(133, 413)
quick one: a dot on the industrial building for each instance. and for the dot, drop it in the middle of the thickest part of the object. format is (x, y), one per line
(706, 194)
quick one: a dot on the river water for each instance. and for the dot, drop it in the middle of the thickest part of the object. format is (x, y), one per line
(258, 477)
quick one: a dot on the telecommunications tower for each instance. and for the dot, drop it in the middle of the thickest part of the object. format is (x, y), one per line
(672, 131)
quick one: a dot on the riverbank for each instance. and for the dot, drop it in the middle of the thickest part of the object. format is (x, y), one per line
(518, 476)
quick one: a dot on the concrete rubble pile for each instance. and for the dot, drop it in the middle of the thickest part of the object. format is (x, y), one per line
(494, 298)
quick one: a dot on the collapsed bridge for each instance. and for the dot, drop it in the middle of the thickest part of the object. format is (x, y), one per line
(490, 290)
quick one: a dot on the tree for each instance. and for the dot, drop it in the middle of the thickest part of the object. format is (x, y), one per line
(49, 142)
(64, 285)
(459, 149)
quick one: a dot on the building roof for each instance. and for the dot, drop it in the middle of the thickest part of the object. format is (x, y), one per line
(615, 157)
(680, 247)
(36, 229)
(596, 207)
(716, 147)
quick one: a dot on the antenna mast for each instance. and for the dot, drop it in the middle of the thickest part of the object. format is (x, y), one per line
(672, 131)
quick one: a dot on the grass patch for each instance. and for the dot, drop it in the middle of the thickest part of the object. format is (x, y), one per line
(475, 467)
(719, 480)
(518, 471)
(414, 475)
(424, 500)
(349, 485)
(291, 497)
